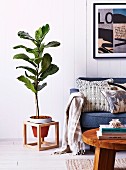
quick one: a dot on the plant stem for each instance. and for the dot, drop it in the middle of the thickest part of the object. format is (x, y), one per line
(37, 105)
(37, 83)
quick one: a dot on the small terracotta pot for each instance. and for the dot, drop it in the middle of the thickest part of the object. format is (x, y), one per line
(41, 119)
(44, 131)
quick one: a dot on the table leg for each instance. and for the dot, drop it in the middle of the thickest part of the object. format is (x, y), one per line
(104, 159)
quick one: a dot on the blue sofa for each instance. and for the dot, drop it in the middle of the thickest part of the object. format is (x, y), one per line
(91, 120)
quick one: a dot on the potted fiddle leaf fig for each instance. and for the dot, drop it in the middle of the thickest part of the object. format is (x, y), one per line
(39, 67)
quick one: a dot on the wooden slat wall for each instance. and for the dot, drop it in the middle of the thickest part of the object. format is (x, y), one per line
(71, 23)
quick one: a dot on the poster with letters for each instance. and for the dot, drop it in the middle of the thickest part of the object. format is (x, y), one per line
(109, 30)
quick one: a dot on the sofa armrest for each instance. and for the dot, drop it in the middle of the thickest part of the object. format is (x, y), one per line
(73, 90)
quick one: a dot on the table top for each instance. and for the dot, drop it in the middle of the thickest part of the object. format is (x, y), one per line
(90, 138)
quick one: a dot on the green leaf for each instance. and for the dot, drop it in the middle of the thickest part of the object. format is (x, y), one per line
(25, 35)
(22, 46)
(38, 34)
(21, 56)
(41, 33)
(29, 50)
(46, 61)
(29, 69)
(27, 83)
(31, 77)
(24, 57)
(52, 69)
(45, 29)
(40, 87)
(52, 44)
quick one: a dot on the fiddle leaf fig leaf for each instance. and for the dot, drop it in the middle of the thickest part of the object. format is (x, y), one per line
(25, 35)
(29, 50)
(24, 57)
(40, 87)
(27, 83)
(45, 30)
(41, 33)
(22, 46)
(38, 34)
(52, 69)
(52, 44)
(46, 61)
(28, 69)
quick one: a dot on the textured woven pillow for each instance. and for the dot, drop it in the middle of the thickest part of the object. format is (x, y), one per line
(94, 100)
(116, 100)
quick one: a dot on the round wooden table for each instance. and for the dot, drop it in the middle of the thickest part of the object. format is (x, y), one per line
(105, 150)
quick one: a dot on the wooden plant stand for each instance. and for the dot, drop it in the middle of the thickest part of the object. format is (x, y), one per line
(41, 144)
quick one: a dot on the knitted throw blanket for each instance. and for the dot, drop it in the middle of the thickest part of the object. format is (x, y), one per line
(72, 135)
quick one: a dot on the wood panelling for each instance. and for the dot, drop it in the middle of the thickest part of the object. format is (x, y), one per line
(71, 23)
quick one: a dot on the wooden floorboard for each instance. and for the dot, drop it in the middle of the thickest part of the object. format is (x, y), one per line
(13, 156)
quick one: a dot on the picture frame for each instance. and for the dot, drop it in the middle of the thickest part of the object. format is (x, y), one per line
(109, 30)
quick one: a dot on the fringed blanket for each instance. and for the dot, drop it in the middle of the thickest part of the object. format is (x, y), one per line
(72, 135)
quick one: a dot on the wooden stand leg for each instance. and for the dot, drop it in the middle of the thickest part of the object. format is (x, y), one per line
(39, 137)
(25, 134)
(57, 133)
(104, 159)
(42, 140)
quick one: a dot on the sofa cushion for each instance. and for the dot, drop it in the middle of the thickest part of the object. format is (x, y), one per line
(119, 80)
(94, 100)
(94, 119)
(116, 100)
(117, 86)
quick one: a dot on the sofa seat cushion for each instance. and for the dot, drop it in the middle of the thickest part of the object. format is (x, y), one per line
(94, 119)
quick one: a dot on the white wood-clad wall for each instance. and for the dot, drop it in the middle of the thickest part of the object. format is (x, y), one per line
(71, 23)
(67, 20)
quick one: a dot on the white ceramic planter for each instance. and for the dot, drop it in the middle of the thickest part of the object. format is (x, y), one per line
(45, 119)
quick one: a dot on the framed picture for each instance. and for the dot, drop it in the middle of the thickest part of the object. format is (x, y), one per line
(109, 30)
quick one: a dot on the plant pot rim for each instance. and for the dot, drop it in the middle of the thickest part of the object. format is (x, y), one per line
(41, 119)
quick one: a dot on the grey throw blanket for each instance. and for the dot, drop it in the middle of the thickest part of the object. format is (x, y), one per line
(72, 135)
